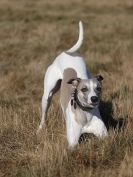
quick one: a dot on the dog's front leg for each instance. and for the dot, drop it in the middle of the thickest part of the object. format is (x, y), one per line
(96, 126)
(73, 128)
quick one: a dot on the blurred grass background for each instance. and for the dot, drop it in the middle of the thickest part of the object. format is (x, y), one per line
(32, 34)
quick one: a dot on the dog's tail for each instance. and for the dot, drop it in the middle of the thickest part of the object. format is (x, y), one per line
(80, 40)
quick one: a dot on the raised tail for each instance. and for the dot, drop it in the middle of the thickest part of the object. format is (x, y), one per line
(80, 40)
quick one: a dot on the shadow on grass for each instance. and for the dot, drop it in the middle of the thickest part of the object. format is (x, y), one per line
(106, 110)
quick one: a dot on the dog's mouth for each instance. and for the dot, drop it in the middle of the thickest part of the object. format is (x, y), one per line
(90, 105)
(94, 104)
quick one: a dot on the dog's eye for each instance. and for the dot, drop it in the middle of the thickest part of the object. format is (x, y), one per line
(85, 89)
(99, 89)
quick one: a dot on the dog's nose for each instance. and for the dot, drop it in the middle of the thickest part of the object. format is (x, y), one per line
(94, 99)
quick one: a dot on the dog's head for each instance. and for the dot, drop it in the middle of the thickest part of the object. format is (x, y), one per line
(88, 91)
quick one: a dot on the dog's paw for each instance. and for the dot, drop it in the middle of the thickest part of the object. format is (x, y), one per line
(85, 137)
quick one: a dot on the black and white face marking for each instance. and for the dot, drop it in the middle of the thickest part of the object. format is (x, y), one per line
(89, 92)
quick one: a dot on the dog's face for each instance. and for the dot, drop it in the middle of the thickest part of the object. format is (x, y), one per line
(88, 91)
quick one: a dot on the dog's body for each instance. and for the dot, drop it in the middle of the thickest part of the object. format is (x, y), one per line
(79, 120)
(66, 66)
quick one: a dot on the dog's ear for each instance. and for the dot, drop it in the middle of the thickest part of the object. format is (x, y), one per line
(99, 78)
(74, 81)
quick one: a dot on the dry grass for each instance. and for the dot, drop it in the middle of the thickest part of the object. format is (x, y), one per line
(32, 33)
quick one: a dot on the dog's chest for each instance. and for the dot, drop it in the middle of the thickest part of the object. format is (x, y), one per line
(81, 117)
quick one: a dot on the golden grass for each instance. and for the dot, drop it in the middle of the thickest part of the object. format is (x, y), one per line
(32, 33)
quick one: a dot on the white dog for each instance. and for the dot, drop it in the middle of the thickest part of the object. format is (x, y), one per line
(80, 93)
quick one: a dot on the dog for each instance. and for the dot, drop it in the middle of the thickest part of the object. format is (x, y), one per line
(80, 94)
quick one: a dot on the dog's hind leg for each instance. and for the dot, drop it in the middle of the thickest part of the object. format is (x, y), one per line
(51, 85)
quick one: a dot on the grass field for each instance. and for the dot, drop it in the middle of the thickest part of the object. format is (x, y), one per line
(32, 33)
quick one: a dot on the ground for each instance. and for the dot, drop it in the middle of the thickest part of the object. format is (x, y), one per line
(32, 34)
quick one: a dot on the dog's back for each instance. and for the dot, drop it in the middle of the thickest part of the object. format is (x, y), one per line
(66, 89)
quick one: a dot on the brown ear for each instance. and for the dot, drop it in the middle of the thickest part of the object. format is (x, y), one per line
(74, 81)
(99, 78)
